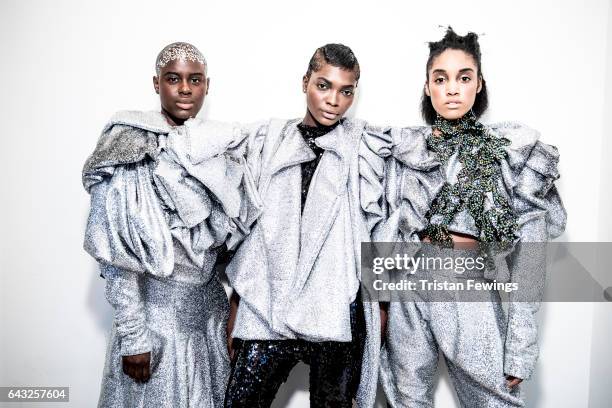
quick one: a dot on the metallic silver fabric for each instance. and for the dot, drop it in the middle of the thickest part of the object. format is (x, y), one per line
(148, 215)
(411, 181)
(161, 198)
(182, 325)
(297, 273)
(467, 333)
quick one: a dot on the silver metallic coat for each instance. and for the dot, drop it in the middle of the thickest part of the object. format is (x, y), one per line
(528, 176)
(161, 198)
(298, 273)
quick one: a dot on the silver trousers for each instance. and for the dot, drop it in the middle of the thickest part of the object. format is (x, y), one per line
(469, 335)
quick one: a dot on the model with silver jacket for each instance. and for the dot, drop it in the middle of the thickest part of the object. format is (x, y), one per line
(296, 277)
(491, 184)
(165, 191)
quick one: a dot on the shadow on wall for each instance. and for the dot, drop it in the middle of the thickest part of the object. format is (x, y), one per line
(532, 389)
(101, 311)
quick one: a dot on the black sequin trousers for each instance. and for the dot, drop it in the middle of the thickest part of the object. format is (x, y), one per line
(261, 366)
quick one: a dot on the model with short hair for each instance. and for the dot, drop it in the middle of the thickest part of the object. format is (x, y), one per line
(165, 191)
(494, 186)
(296, 277)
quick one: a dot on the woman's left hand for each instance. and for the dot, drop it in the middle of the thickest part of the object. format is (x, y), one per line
(512, 381)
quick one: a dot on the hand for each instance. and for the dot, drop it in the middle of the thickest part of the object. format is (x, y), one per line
(512, 381)
(234, 303)
(138, 367)
(384, 314)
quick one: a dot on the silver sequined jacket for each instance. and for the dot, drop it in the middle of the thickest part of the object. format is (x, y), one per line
(297, 273)
(528, 175)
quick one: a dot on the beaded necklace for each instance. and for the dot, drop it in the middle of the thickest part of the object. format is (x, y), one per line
(480, 153)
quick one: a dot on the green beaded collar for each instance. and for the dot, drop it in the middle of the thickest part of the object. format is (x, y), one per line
(480, 153)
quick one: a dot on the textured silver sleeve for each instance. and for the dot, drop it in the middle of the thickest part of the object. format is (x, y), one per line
(541, 217)
(124, 293)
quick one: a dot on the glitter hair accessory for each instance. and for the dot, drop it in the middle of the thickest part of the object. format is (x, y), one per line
(178, 51)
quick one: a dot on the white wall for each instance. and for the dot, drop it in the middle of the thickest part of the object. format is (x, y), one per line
(67, 65)
(600, 392)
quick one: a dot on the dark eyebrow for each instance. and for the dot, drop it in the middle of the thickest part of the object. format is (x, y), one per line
(328, 82)
(190, 74)
(439, 71)
(466, 70)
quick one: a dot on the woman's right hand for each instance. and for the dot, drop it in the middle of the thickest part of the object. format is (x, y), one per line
(138, 366)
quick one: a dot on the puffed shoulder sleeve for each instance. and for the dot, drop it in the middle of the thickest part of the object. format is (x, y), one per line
(412, 179)
(375, 147)
(529, 175)
(247, 154)
(126, 227)
(256, 134)
(251, 207)
(122, 143)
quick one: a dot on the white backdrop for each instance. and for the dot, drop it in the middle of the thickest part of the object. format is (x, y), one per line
(68, 65)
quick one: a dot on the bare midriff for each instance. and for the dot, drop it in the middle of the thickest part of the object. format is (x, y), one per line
(460, 241)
